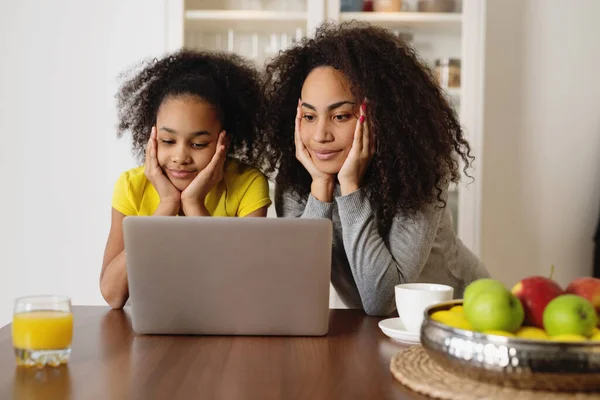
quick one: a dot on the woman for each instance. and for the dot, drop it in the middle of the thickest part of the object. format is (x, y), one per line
(374, 147)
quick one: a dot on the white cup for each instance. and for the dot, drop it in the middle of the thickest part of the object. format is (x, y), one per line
(413, 298)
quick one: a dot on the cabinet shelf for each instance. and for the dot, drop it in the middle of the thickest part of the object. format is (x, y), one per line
(245, 20)
(412, 21)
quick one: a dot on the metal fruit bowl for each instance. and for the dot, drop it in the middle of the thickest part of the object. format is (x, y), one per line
(519, 363)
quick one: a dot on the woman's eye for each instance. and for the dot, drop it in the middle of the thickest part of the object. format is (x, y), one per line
(199, 145)
(167, 141)
(342, 117)
(309, 118)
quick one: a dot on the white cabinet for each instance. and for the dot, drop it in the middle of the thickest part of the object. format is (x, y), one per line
(255, 29)
(259, 29)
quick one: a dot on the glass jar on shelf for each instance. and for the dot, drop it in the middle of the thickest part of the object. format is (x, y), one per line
(447, 71)
(351, 5)
(387, 5)
(439, 6)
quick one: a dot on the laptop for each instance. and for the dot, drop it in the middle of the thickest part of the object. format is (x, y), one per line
(228, 276)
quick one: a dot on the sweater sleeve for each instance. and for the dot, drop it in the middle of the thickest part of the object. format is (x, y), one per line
(378, 266)
(291, 205)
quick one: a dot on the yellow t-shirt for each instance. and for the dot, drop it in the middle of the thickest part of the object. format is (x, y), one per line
(242, 191)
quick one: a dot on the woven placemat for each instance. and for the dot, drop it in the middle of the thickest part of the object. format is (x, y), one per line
(414, 369)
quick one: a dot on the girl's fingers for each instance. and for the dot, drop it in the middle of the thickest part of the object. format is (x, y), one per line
(153, 149)
(219, 155)
(149, 144)
(225, 146)
(223, 143)
(223, 155)
(226, 140)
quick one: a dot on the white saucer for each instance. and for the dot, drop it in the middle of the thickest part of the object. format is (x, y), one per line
(394, 328)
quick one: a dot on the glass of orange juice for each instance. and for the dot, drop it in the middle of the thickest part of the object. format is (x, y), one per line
(42, 330)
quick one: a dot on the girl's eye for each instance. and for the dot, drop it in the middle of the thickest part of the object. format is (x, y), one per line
(309, 118)
(167, 141)
(342, 117)
(199, 145)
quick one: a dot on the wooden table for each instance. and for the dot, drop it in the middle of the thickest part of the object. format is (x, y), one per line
(109, 361)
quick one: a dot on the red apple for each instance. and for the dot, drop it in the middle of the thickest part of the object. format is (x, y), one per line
(535, 293)
(586, 287)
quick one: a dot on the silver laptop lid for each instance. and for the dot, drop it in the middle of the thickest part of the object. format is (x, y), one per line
(228, 276)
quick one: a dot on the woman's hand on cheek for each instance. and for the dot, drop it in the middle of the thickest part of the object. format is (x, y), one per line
(193, 197)
(170, 196)
(363, 149)
(322, 184)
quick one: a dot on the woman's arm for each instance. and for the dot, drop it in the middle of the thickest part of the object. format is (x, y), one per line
(377, 268)
(290, 205)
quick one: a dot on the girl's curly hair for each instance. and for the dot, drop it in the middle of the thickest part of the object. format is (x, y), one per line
(417, 132)
(225, 80)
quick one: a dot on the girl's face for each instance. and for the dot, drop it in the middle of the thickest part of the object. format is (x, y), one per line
(329, 116)
(187, 132)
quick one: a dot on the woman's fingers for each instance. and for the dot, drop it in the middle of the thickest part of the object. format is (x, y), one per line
(358, 142)
(297, 140)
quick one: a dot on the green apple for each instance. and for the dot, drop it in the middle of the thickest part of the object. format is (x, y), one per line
(570, 314)
(495, 309)
(478, 286)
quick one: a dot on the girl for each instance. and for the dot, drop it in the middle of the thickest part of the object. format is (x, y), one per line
(188, 113)
(373, 148)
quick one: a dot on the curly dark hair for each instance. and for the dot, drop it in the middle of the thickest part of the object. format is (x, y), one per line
(418, 133)
(225, 80)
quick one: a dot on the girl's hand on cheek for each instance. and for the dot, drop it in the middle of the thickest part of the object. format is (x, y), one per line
(361, 153)
(170, 196)
(192, 198)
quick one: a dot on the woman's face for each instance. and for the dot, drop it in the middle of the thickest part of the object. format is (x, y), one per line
(329, 116)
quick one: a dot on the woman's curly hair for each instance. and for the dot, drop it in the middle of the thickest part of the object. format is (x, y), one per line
(417, 132)
(225, 80)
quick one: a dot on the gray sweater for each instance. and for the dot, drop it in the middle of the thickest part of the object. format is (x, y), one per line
(365, 267)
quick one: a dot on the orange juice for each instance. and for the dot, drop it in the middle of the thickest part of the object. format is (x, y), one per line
(42, 330)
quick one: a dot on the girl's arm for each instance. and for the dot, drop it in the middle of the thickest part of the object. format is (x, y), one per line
(113, 277)
(376, 267)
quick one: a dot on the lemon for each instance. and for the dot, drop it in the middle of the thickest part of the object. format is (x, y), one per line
(458, 309)
(498, 333)
(596, 336)
(568, 337)
(531, 332)
(453, 319)
(595, 330)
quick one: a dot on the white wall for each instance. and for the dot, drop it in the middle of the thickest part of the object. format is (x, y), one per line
(541, 166)
(59, 156)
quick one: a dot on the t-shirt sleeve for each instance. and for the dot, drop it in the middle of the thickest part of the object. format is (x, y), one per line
(122, 200)
(256, 195)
